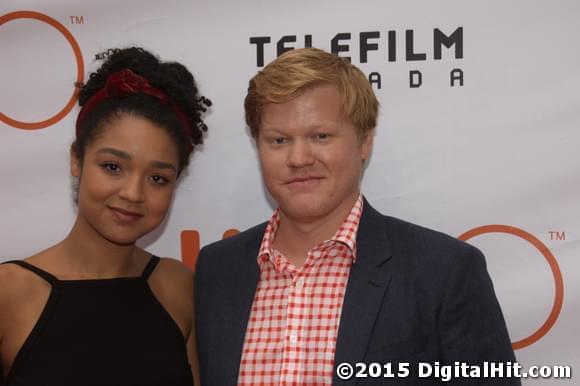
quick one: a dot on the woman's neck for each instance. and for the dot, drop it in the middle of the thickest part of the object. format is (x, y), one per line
(88, 254)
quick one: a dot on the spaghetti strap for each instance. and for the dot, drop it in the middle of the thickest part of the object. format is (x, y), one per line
(43, 274)
(150, 267)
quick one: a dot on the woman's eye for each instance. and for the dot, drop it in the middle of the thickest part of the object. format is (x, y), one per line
(321, 136)
(112, 168)
(160, 180)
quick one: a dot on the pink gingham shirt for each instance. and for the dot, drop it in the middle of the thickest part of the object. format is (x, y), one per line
(291, 334)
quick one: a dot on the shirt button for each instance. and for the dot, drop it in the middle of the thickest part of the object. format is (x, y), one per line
(293, 338)
(300, 283)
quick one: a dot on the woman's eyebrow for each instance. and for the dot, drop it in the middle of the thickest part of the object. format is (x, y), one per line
(127, 156)
(163, 165)
(116, 152)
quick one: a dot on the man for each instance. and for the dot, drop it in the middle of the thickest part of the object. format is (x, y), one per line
(328, 279)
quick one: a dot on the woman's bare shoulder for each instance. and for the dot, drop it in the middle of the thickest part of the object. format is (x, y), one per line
(175, 274)
(18, 280)
(19, 288)
(12, 277)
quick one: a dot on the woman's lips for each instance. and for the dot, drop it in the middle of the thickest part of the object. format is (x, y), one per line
(125, 216)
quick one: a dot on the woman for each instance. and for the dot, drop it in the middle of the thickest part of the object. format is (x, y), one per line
(95, 309)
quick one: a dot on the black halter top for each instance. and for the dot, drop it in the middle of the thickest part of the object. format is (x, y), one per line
(104, 332)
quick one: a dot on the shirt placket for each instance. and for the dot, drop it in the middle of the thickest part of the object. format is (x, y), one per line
(297, 309)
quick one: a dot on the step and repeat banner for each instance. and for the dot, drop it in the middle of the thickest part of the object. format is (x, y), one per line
(477, 137)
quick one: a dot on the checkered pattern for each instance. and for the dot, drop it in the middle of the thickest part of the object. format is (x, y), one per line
(291, 334)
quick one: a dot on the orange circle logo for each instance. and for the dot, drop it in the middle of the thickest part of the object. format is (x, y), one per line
(80, 69)
(558, 281)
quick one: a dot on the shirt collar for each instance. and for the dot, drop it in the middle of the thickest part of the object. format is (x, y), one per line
(345, 234)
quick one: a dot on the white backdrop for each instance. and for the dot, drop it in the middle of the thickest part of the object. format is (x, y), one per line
(497, 150)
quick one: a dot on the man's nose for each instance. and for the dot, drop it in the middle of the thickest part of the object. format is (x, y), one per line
(300, 154)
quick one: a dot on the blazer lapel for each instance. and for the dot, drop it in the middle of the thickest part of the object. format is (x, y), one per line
(244, 278)
(367, 284)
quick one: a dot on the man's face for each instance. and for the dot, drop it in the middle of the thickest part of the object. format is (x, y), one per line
(311, 156)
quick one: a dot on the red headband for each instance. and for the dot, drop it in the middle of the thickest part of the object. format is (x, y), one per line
(126, 82)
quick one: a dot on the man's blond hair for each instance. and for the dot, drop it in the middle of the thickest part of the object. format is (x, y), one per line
(295, 71)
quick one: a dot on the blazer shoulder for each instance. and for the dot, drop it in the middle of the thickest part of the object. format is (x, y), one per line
(245, 241)
(427, 242)
(408, 229)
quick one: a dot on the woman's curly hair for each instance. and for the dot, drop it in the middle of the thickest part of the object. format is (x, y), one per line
(170, 77)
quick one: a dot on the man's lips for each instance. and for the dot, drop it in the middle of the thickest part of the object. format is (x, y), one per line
(125, 215)
(303, 180)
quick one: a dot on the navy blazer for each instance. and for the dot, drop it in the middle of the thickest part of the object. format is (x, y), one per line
(413, 295)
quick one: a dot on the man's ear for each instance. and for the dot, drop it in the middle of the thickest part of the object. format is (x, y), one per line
(75, 162)
(367, 144)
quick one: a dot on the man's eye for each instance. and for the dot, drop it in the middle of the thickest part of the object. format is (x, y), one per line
(321, 136)
(279, 141)
(111, 167)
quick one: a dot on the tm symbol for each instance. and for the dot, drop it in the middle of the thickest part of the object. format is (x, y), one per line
(77, 19)
(558, 236)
